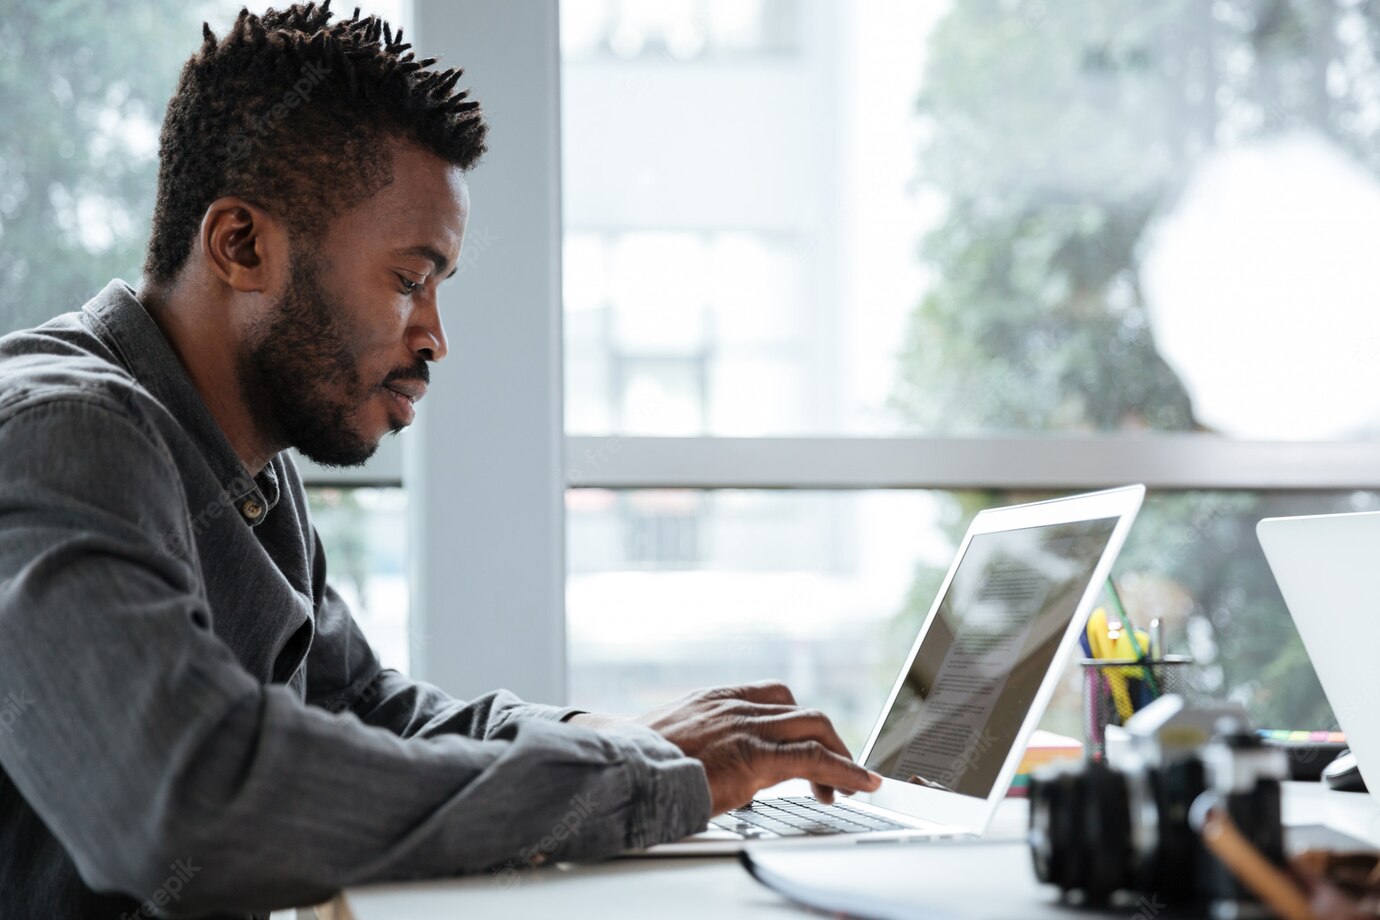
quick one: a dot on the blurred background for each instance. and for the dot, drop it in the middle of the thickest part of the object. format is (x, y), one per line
(1100, 222)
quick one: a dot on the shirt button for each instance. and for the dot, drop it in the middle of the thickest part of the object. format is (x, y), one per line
(252, 510)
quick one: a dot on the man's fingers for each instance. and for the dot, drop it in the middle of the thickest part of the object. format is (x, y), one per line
(804, 725)
(813, 761)
(766, 691)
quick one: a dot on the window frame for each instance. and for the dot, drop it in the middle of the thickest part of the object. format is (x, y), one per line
(1030, 462)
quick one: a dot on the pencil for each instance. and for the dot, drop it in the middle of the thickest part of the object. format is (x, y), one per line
(1252, 869)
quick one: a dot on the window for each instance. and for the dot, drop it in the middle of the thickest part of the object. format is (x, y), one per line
(972, 219)
(666, 330)
(678, 30)
(967, 253)
(364, 531)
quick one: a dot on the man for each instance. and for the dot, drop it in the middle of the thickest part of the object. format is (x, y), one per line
(194, 723)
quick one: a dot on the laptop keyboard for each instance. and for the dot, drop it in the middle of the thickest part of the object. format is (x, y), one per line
(799, 817)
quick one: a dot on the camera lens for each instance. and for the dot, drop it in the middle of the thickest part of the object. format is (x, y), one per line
(1079, 829)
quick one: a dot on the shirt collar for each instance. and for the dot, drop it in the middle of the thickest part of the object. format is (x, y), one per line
(122, 323)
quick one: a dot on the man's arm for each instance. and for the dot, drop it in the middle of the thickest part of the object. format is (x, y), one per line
(147, 743)
(747, 737)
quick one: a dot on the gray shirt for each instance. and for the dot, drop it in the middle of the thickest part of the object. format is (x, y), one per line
(191, 722)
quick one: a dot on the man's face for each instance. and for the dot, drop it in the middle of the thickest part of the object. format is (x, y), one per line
(344, 352)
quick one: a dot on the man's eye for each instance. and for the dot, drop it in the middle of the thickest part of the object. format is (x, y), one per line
(408, 285)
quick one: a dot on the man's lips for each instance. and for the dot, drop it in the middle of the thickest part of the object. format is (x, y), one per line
(409, 390)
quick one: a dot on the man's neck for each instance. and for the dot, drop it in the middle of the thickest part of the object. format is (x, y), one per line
(199, 330)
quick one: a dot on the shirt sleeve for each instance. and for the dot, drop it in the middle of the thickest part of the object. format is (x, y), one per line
(143, 741)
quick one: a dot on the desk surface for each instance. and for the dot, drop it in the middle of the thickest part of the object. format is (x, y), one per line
(717, 886)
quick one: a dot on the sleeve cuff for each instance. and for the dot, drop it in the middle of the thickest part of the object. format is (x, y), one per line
(670, 792)
(543, 711)
(512, 709)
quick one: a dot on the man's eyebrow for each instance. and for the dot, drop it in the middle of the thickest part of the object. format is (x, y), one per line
(427, 252)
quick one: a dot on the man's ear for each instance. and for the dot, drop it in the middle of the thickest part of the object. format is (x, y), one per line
(244, 245)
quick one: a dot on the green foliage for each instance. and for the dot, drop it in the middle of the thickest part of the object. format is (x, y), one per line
(83, 87)
(1058, 133)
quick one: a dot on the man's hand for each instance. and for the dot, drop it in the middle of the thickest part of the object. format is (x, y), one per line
(755, 736)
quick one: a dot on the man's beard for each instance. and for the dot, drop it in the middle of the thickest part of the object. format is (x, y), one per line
(300, 376)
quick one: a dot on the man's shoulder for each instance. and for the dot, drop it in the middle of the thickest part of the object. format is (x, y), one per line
(78, 437)
(62, 362)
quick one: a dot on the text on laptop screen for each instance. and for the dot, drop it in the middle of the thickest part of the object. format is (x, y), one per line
(988, 649)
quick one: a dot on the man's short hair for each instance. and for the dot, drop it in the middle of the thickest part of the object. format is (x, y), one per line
(295, 113)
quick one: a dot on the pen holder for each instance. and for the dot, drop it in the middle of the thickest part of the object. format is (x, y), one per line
(1114, 690)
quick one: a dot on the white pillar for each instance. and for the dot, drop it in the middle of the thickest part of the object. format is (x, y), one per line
(483, 463)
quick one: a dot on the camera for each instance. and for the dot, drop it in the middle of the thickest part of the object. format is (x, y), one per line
(1123, 824)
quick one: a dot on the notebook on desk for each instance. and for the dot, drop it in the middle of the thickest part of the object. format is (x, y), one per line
(972, 689)
(980, 880)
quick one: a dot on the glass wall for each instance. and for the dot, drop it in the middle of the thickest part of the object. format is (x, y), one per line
(958, 218)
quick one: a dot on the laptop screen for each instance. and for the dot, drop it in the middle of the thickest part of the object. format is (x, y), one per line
(972, 682)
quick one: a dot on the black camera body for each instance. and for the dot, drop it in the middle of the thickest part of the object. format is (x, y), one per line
(1098, 829)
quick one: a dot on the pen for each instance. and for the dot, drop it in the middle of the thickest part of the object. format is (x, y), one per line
(1135, 640)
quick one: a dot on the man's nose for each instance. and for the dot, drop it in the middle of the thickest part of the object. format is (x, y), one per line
(427, 334)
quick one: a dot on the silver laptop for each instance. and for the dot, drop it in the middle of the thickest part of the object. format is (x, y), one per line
(1326, 569)
(973, 687)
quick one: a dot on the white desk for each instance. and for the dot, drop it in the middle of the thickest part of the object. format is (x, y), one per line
(715, 887)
